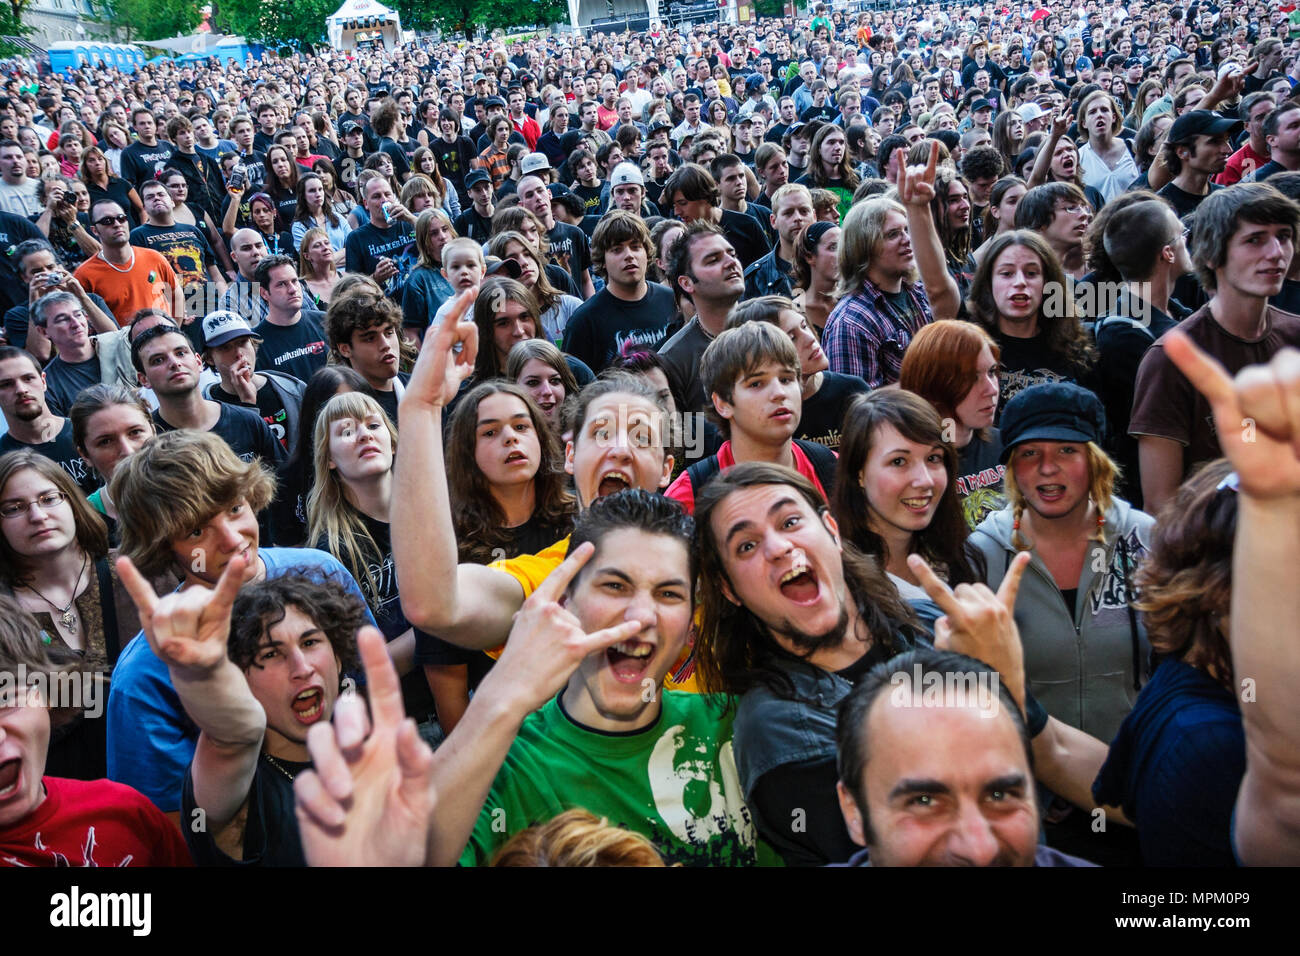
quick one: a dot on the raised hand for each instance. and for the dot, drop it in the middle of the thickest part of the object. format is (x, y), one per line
(1061, 124)
(440, 369)
(547, 643)
(979, 623)
(1256, 415)
(187, 629)
(368, 799)
(916, 183)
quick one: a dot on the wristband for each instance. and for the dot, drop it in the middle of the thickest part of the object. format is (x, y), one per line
(1035, 715)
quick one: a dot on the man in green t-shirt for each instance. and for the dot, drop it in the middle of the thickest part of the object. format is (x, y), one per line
(602, 630)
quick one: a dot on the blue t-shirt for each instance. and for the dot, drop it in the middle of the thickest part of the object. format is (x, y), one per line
(151, 739)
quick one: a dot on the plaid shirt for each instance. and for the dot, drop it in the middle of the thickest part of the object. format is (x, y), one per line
(866, 334)
(495, 163)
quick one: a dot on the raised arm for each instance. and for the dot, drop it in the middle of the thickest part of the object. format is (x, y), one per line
(1043, 161)
(1257, 417)
(915, 192)
(188, 630)
(466, 604)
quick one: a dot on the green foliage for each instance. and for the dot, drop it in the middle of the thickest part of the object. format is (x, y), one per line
(769, 8)
(144, 20)
(463, 15)
(277, 20)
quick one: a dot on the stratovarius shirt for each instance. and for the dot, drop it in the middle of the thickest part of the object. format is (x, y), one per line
(675, 782)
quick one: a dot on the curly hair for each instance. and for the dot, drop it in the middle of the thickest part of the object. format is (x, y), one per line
(329, 603)
(577, 838)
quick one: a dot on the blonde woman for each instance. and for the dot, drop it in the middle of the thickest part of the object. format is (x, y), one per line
(318, 270)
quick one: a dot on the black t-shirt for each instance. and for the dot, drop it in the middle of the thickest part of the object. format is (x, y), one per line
(141, 162)
(119, 191)
(600, 328)
(388, 401)
(243, 430)
(681, 354)
(269, 405)
(455, 160)
(473, 225)
(823, 411)
(746, 237)
(367, 245)
(825, 113)
(1271, 168)
(1027, 362)
(398, 155)
(1184, 203)
(64, 381)
(590, 195)
(13, 230)
(184, 247)
(979, 478)
(62, 450)
(299, 349)
(570, 241)
(350, 167)
(271, 836)
(254, 163)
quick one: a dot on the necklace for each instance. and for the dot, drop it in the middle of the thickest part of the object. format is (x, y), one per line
(67, 618)
(280, 767)
(127, 270)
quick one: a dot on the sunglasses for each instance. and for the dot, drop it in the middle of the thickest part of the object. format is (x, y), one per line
(111, 220)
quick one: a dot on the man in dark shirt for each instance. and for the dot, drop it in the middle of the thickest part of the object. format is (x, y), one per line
(75, 365)
(1282, 132)
(230, 347)
(145, 158)
(629, 311)
(292, 338)
(692, 193)
(167, 362)
(375, 248)
(476, 221)
(202, 174)
(14, 230)
(454, 153)
(1196, 149)
(30, 422)
(365, 333)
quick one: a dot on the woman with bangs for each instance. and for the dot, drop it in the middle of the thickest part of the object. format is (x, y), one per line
(109, 422)
(556, 307)
(104, 184)
(282, 183)
(425, 163)
(898, 493)
(539, 368)
(427, 288)
(348, 506)
(54, 563)
(1058, 161)
(340, 199)
(315, 212)
(1019, 296)
(508, 498)
(318, 270)
(954, 366)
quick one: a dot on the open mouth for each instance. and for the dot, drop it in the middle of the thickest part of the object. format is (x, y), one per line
(799, 584)
(308, 705)
(10, 777)
(629, 660)
(1051, 493)
(782, 415)
(515, 457)
(613, 482)
(917, 505)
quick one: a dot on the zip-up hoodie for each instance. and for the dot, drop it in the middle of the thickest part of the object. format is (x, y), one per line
(1080, 666)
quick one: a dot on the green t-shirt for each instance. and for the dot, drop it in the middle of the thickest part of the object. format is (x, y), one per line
(675, 782)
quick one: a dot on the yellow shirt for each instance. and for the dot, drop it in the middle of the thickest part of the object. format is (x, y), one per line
(530, 570)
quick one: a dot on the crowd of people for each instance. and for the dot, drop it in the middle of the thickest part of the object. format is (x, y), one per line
(752, 382)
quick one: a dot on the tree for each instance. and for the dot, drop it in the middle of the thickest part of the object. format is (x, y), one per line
(465, 15)
(277, 20)
(153, 19)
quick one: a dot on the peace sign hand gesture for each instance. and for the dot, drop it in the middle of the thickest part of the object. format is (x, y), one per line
(979, 623)
(187, 629)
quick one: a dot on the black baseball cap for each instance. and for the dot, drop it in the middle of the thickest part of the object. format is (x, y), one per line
(350, 127)
(474, 177)
(1200, 123)
(1052, 411)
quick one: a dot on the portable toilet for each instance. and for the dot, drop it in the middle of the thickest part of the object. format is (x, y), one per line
(235, 48)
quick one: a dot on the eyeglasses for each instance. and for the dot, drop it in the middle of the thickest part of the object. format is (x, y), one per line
(1074, 209)
(47, 501)
(111, 220)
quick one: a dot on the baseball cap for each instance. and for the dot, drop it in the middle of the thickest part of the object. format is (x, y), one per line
(480, 76)
(350, 127)
(534, 162)
(1029, 112)
(1199, 123)
(1052, 411)
(474, 177)
(506, 267)
(625, 174)
(494, 101)
(982, 105)
(222, 326)
(657, 127)
(558, 190)
(1132, 62)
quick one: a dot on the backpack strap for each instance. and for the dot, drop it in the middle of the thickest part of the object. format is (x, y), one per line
(1119, 320)
(702, 472)
(824, 461)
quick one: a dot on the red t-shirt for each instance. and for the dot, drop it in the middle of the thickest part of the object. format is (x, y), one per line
(681, 490)
(93, 823)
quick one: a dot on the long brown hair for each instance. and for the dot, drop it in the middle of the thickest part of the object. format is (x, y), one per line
(733, 649)
(494, 293)
(944, 541)
(1185, 581)
(478, 519)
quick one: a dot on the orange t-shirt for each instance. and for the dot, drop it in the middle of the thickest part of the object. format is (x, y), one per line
(148, 284)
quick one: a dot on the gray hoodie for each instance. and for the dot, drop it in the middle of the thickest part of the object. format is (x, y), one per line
(1079, 666)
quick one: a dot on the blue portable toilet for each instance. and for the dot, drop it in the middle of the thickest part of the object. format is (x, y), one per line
(235, 48)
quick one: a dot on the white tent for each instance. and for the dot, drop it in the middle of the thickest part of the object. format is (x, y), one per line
(359, 21)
